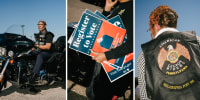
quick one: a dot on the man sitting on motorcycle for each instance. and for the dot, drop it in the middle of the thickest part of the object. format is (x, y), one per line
(43, 46)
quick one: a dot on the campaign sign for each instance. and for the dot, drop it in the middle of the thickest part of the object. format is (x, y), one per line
(116, 68)
(96, 34)
(117, 22)
(85, 34)
(93, 14)
(115, 72)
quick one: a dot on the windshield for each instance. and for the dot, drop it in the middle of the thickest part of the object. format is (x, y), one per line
(17, 29)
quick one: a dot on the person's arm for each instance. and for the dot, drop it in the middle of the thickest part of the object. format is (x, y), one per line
(141, 77)
(105, 13)
(126, 47)
(47, 46)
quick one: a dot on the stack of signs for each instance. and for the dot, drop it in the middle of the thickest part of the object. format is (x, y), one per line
(96, 32)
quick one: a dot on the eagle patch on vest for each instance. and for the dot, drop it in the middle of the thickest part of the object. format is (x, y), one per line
(173, 56)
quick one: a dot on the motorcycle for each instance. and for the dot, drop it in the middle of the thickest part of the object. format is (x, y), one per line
(17, 62)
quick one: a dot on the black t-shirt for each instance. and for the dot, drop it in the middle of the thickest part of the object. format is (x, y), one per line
(49, 37)
(125, 11)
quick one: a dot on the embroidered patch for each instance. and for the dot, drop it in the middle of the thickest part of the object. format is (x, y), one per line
(173, 57)
(179, 86)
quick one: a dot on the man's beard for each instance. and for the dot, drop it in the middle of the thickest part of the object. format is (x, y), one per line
(41, 30)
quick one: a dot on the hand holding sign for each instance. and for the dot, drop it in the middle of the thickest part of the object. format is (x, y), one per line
(100, 57)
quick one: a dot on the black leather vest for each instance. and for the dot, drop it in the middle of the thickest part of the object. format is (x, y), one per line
(41, 38)
(172, 67)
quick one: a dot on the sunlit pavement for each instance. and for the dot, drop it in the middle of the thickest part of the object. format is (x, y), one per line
(57, 91)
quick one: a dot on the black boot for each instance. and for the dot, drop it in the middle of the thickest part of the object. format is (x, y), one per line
(33, 77)
(32, 83)
(33, 89)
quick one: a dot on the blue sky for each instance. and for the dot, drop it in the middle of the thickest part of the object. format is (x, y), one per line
(189, 18)
(14, 13)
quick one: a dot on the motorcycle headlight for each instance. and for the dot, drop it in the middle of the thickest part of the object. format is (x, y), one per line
(2, 51)
(10, 53)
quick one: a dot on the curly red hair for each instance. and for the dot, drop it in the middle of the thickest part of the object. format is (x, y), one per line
(163, 16)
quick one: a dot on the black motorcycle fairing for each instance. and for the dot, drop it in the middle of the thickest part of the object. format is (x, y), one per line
(15, 42)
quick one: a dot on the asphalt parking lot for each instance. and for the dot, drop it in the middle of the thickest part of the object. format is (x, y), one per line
(56, 91)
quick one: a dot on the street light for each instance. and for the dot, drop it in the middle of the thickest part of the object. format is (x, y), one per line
(22, 29)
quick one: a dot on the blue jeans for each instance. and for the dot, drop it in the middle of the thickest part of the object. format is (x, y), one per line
(41, 57)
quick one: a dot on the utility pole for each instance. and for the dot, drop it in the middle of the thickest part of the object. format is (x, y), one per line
(22, 29)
